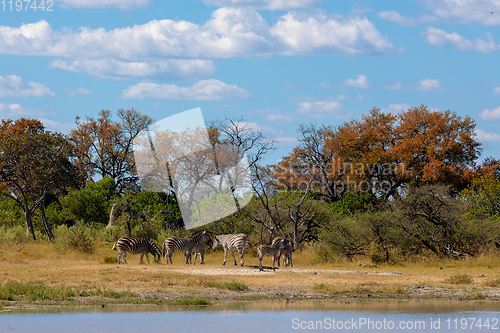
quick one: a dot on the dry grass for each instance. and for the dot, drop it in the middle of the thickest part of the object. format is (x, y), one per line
(40, 263)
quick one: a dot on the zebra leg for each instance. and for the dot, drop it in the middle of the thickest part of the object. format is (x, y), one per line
(119, 257)
(225, 256)
(242, 254)
(202, 258)
(274, 258)
(188, 255)
(233, 258)
(124, 256)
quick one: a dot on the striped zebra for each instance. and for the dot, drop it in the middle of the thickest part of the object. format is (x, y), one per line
(232, 243)
(198, 249)
(185, 245)
(136, 246)
(271, 251)
(285, 252)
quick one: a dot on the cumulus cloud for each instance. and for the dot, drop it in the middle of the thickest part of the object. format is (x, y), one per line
(360, 82)
(264, 4)
(397, 108)
(493, 114)
(466, 11)
(14, 86)
(200, 91)
(486, 136)
(428, 85)
(170, 69)
(397, 18)
(322, 109)
(231, 32)
(438, 37)
(496, 90)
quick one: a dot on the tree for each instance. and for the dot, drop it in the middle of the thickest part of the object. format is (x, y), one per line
(89, 205)
(104, 147)
(483, 196)
(33, 163)
(384, 154)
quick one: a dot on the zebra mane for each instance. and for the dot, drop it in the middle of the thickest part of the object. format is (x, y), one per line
(197, 233)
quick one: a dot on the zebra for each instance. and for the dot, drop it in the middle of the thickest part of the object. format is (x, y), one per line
(198, 249)
(230, 242)
(136, 246)
(272, 251)
(185, 245)
(285, 252)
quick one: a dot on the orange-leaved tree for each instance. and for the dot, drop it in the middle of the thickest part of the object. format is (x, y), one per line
(33, 163)
(104, 147)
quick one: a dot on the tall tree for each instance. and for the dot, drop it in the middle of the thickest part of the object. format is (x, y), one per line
(33, 163)
(104, 146)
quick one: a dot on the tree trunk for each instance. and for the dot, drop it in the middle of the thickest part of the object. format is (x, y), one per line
(296, 242)
(46, 224)
(111, 216)
(29, 224)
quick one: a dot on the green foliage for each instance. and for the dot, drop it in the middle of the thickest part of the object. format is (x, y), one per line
(34, 291)
(79, 238)
(90, 204)
(355, 202)
(483, 197)
(16, 234)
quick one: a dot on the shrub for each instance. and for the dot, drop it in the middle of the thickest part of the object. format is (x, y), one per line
(459, 279)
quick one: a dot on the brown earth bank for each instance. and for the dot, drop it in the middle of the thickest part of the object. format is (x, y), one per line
(40, 275)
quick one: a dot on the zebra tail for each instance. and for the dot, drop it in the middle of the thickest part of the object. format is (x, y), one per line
(114, 246)
(163, 249)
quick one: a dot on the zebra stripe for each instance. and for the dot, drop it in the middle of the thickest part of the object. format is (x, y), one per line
(231, 242)
(272, 251)
(198, 249)
(185, 245)
(136, 246)
(286, 252)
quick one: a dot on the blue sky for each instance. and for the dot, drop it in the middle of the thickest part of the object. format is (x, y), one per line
(276, 63)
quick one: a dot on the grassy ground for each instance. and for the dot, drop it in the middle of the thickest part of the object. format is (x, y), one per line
(37, 273)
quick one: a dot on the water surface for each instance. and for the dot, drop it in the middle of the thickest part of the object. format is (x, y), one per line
(339, 316)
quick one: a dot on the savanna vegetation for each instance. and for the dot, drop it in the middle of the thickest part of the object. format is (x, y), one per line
(386, 187)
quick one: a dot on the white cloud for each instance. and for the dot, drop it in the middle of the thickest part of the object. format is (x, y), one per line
(428, 85)
(13, 86)
(264, 4)
(56, 126)
(12, 110)
(482, 11)
(322, 109)
(360, 82)
(486, 136)
(298, 34)
(121, 4)
(170, 69)
(438, 37)
(230, 32)
(493, 114)
(200, 91)
(397, 18)
(397, 108)
(496, 90)
(79, 91)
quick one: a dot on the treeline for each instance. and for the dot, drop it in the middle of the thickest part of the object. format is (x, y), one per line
(386, 185)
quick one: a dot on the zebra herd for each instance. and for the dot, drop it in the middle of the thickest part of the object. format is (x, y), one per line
(196, 244)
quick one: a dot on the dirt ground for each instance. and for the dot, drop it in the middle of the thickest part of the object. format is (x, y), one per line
(96, 280)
